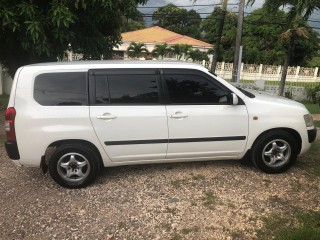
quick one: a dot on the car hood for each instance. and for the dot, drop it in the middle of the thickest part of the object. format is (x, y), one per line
(268, 97)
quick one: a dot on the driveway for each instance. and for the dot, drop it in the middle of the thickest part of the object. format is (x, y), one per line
(202, 200)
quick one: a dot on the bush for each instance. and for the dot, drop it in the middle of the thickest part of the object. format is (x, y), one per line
(313, 94)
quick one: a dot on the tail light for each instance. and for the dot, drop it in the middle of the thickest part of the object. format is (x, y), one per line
(9, 124)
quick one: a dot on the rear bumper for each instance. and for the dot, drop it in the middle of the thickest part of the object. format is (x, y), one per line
(312, 133)
(12, 150)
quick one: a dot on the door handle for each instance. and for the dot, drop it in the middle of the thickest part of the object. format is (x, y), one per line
(179, 115)
(106, 116)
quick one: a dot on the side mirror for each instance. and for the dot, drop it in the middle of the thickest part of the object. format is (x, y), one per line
(234, 98)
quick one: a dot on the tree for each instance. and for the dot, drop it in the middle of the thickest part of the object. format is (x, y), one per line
(136, 50)
(36, 31)
(261, 39)
(197, 56)
(178, 20)
(160, 50)
(210, 27)
(299, 12)
(179, 50)
(133, 21)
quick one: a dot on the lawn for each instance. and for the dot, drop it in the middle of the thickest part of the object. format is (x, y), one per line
(313, 108)
(4, 100)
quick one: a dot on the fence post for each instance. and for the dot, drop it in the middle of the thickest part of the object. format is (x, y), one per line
(260, 71)
(279, 72)
(222, 69)
(315, 75)
(1, 80)
(297, 73)
(241, 71)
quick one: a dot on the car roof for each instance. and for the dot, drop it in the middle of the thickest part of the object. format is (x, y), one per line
(116, 64)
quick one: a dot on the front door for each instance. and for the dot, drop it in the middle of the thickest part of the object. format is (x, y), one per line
(202, 121)
(127, 115)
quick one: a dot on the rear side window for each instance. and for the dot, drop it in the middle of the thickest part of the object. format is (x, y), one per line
(127, 89)
(61, 89)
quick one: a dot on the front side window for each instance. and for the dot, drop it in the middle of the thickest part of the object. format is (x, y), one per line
(127, 89)
(61, 89)
(195, 89)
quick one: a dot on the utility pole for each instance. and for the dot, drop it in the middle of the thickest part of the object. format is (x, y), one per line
(236, 59)
(219, 35)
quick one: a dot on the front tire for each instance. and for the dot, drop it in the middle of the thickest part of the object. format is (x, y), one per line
(274, 152)
(74, 165)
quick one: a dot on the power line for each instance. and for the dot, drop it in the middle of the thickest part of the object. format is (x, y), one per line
(196, 5)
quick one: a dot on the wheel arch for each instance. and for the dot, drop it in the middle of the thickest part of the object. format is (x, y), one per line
(51, 148)
(291, 131)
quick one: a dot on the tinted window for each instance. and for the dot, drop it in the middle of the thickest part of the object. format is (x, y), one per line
(131, 89)
(102, 90)
(195, 89)
(52, 89)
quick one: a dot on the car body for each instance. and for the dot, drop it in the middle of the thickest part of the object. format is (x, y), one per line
(92, 114)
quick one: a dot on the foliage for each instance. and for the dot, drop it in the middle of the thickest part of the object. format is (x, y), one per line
(36, 31)
(296, 27)
(261, 40)
(136, 50)
(197, 56)
(179, 50)
(314, 62)
(210, 27)
(160, 50)
(313, 94)
(178, 20)
(133, 22)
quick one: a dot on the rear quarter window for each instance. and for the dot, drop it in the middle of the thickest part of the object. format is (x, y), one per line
(61, 89)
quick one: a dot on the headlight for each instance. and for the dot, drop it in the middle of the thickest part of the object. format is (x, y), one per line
(308, 119)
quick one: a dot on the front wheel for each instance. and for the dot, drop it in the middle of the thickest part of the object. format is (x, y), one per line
(73, 165)
(274, 152)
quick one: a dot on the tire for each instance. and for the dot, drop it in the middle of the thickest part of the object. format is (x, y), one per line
(274, 152)
(74, 165)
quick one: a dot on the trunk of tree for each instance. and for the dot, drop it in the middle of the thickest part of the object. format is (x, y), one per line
(284, 75)
(286, 66)
(219, 34)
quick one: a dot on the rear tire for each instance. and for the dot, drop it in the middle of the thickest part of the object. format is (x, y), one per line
(74, 165)
(274, 152)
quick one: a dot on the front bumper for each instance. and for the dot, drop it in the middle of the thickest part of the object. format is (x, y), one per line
(312, 133)
(12, 150)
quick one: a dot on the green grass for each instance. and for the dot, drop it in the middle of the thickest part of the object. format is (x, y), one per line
(313, 108)
(209, 200)
(317, 124)
(3, 138)
(301, 226)
(4, 99)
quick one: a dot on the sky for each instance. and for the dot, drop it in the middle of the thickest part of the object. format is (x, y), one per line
(209, 9)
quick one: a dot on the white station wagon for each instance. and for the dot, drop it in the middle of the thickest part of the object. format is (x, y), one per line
(75, 118)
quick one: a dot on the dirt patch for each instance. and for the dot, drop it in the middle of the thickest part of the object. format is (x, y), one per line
(316, 117)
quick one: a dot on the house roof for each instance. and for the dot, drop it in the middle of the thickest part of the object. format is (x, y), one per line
(160, 35)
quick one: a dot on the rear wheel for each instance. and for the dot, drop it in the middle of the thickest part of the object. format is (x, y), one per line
(74, 165)
(274, 152)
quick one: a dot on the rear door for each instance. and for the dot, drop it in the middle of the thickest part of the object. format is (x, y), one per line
(202, 121)
(127, 114)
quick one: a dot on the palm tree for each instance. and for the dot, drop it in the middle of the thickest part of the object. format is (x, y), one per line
(136, 50)
(197, 56)
(178, 50)
(160, 50)
(299, 12)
